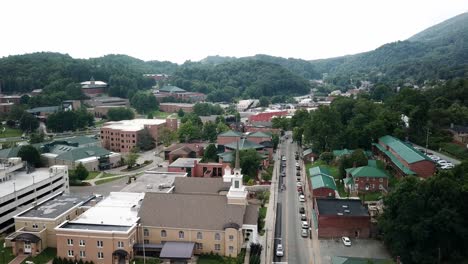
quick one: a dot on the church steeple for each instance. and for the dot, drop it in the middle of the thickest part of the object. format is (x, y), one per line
(237, 164)
(237, 193)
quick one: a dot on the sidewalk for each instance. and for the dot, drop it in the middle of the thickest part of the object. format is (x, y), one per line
(19, 259)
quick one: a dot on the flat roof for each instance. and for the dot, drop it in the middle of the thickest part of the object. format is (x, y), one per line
(184, 162)
(56, 206)
(154, 181)
(343, 207)
(133, 125)
(117, 209)
(97, 227)
(21, 179)
(178, 104)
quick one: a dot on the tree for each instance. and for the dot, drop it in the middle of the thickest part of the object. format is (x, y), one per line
(17, 111)
(210, 153)
(30, 154)
(36, 138)
(28, 122)
(275, 140)
(131, 159)
(144, 102)
(181, 112)
(221, 127)
(264, 102)
(210, 131)
(167, 136)
(150, 116)
(250, 161)
(327, 157)
(81, 173)
(145, 140)
(297, 135)
(120, 113)
(24, 99)
(187, 131)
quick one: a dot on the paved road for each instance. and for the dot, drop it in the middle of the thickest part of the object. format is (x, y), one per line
(442, 156)
(296, 248)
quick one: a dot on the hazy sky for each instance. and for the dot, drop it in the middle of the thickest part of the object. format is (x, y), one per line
(178, 30)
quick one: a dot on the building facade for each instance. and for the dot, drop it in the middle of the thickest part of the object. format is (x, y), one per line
(175, 107)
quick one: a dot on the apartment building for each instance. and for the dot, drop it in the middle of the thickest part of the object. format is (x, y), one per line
(122, 136)
(104, 234)
(19, 188)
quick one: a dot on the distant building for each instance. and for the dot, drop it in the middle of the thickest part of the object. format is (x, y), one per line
(43, 112)
(184, 150)
(366, 179)
(100, 106)
(195, 168)
(15, 99)
(460, 134)
(6, 107)
(175, 107)
(156, 76)
(322, 182)
(267, 116)
(178, 93)
(93, 88)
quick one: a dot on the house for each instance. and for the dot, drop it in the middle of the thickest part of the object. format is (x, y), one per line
(267, 116)
(184, 150)
(308, 155)
(402, 158)
(341, 217)
(366, 179)
(459, 133)
(228, 137)
(321, 182)
(35, 227)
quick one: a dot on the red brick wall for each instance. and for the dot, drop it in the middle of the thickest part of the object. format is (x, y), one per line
(259, 139)
(198, 170)
(174, 108)
(226, 140)
(337, 226)
(265, 117)
(372, 182)
(423, 168)
(324, 192)
(261, 129)
(93, 91)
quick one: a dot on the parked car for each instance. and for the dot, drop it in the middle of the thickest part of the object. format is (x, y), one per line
(279, 250)
(283, 174)
(297, 164)
(283, 158)
(346, 241)
(442, 162)
(303, 217)
(298, 173)
(301, 198)
(434, 157)
(302, 210)
(304, 225)
(299, 183)
(299, 188)
(304, 233)
(447, 166)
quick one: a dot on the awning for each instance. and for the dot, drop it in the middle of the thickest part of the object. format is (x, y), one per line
(26, 237)
(120, 253)
(147, 246)
(177, 250)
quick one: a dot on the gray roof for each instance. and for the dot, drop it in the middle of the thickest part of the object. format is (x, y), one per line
(45, 109)
(80, 140)
(327, 206)
(196, 185)
(196, 211)
(177, 250)
(81, 153)
(251, 214)
(56, 206)
(87, 227)
(184, 162)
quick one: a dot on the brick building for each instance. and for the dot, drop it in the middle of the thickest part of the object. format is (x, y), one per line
(321, 182)
(402, 158)
(122, 136)
(194, 168)
(341, 217)
(366, 178)
(184, 150)
(175, 107)
(228, 137)
(93, 88)
(266, 116)
(179, 93)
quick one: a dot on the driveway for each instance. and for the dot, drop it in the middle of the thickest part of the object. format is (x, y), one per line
(442, 156)
(364, 248)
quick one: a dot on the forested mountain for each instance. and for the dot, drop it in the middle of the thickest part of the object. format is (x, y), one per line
(440, 52)
(239, 78)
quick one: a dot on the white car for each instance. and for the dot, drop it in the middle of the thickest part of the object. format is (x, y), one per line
(304, 225)
(303, 217)
(298, 183)
(434, 157)
(305, 233)
(447, 166)
(297, 164)
(283, 158)
(346, 241)
(279, 250)
(301, 198)
(442, 162)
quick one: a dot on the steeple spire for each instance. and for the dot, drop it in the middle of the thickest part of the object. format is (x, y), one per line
(237, 165)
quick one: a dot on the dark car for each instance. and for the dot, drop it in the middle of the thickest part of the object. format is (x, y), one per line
(298, 173)
(302, 210)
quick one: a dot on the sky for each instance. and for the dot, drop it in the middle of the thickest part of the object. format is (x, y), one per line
(177, 30)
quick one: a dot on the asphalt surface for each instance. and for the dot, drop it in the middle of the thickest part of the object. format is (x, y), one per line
(296, 248)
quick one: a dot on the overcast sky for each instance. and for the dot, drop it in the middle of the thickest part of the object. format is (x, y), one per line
(177, 30)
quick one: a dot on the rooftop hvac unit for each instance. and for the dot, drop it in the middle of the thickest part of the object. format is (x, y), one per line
(347, 211)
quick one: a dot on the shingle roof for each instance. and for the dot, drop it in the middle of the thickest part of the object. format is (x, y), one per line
(367, 171)
(405, 151)
(251, 214)
(195, 185)
(81, 153)
(230, 133)
(244, 144)
(319, 170)
(354, 260)
(323, 181)
(394, 160)
(190, 211)
(177, 250)
(259, 134)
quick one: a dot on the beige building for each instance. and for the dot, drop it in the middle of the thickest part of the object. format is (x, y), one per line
(104, 234)
(35, 227)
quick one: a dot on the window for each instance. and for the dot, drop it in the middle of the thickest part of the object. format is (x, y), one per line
(163, 233)
(82, 242)
(100, 255)
(82, 254)
(35, 226)
(217, 236)
(120, 244)
(70, 253)
(199, 235)
(70, 242)
(231, 237)
(146, 241)
(217, 247)
(381, 180)
(100, 243)
(231, 249)
(380, 187)
(199, 246)
(236, 184)
(181, 234)
(145, 232)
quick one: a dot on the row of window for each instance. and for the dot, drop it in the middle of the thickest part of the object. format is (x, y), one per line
(71, 253)
(217, 236)
(199, 246)
(117, 134)
(367, 179)
(99, 243)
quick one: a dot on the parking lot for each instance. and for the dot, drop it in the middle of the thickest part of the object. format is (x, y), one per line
(364, 248)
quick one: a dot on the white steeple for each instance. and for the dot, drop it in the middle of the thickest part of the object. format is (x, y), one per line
(237, 193)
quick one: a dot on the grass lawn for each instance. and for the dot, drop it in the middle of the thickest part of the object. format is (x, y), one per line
(213, 259)
(372, 196)
(6, 254)
(99, 182)
(10, 132)
(92, 175)
(107, 175)
(454, 150)
(262, 215)
(44, 257)
(100, 122)
(159, 114)
(148, 261)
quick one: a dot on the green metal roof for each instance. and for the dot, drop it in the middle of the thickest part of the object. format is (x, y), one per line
(354, 260)
(342, 152)
(244, 144)
(226, 156)
(319, 170)
(323, 181)
(82, 153)
(367, 171)
(259, 134)
(405, 151)
(372, 163)
(81, 140)
(349, 181)
(394, 160)
(171, 89)
(307, 152)
(230, 133)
